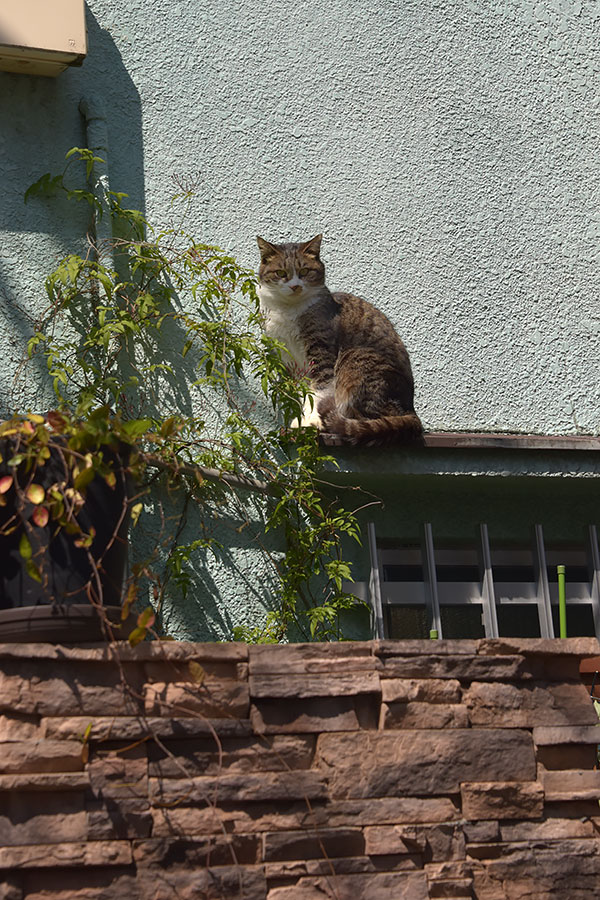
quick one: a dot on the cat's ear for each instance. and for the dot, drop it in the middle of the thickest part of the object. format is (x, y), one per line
(312, 247)
(266, 249)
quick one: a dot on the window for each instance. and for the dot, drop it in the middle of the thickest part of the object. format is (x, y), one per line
(485, 589)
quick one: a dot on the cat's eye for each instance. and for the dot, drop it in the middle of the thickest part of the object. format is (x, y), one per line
(281, 273)
(303, 271)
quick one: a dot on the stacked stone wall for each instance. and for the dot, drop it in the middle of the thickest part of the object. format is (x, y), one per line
(391, 769)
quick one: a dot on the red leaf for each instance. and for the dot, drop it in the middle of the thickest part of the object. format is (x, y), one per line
(5, 483)
(146, 618)
(57, 422)
(40, 516)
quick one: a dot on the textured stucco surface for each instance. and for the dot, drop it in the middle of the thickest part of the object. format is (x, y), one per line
(448, 151)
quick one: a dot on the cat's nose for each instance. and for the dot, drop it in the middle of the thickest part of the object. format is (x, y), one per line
(296, 287)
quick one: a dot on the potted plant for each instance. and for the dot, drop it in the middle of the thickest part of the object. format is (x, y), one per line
(65, 499)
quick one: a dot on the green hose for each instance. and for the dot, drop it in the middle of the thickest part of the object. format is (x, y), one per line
(562, 601)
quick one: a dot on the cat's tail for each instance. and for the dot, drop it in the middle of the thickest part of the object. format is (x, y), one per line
(405, 429)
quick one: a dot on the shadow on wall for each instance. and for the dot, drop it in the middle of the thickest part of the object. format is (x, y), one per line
(229, 579)
(41, 121)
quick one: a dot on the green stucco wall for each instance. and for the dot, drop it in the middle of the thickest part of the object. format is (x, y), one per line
(447, 150)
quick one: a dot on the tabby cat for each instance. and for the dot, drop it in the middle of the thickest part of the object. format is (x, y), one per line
(359, 369)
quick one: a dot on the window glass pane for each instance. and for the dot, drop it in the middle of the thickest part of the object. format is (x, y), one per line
(402, 573)
(510, 564)
(518, 620)
(407, 622)
(580, 620)
(460, 621)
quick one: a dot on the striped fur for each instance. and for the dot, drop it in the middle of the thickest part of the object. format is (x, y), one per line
(359, 368)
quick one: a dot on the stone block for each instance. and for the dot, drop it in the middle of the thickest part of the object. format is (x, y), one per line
(380, 886)
(137, 728)
(213, 699)
(428, 762)
(274, 753)
(10, 887)
(335, 684)
(271, 786)
(45, 781)
(156, 651)
(311, 659)
(19, 727)
(71, 854)
(567, 756)
(423, 715)
(386, 648)
(245, 818)
(110, 883)
(547, 736)
(308, 716)
(214, 850)
(313, 844)
(502, 800)
(40, 756)
(67, 689)
(420, 690)
(582, 646)
(182, 882)
(53, 817)
(178, 671)
(391, 840)
(291, 870)
(122, 650)
(483, 832)
(573, 809)
(528, 705)
(551, 829)
(436, 842)
(392, 810)
(459, 666)
(570, 784)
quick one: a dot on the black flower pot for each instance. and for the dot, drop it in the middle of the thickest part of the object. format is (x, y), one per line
(79, 594)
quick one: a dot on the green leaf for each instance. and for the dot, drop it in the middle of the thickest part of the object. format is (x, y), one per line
(25, 547)
(84, 478)
(32, 570)
(136, 427)
(137, 636)
(136, 511)
(196, 671)
(146, 618)
(129, 600)
(36, 494)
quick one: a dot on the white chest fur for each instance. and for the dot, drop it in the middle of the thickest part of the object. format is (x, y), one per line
(282, 311)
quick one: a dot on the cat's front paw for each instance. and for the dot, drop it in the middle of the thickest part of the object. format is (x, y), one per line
(310, 416)
(313, 420)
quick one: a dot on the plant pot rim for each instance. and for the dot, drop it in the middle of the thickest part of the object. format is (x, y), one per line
(62, 623)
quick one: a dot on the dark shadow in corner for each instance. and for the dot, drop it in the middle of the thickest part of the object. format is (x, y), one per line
(41, 121)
